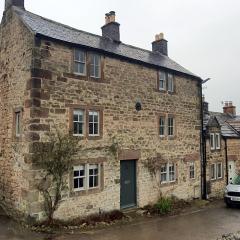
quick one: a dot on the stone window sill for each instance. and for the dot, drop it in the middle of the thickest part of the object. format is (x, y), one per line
(85, 192)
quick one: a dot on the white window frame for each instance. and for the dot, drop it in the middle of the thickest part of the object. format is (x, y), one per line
(162, 127)
(215, 172)
(17, 124)
(217, 141)
(162, 78)
(171, 165)
(170, 82)
(168, 166)
(164, 166)
(77, 112)
(87, 167)
(221, 169)
(80, 62)
(192, 170)
(170, 126)
(212, 141)
(79, 168)
(94, 113)
(93, 166)
(95, 64)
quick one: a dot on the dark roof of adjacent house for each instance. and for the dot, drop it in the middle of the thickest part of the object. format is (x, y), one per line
(230, 125)
(54, 30)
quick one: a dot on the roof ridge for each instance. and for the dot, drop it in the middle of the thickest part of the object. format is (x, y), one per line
(233, 128)
(36, 22)
(93, 34)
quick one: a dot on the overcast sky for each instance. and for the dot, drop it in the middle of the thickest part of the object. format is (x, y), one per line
(203, 35)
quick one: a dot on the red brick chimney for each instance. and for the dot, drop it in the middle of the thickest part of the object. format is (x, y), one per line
(229, 108)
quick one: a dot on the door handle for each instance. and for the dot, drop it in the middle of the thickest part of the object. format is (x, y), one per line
(127, 182)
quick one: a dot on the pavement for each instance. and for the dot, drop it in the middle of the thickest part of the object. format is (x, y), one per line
(206, 223)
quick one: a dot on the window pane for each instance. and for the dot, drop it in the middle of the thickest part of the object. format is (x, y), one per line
(162, 75)
(79, 55)
(91, 128)
(161, 126)
(162, 80)
(170, 126)
(92, 71)
(91, 172)
(171, 173)
(80, 118)
(97, 71)
(213, 171)
(219, 170)
(96, 181)
(212, 141)
(192, 170)
(217, 141)
(90, 117)
(95, 65)
(94, 123)
(170, 82)
(82, 172)
(91, 182)
(163, 177)
(78, 128)
(78, 122)
(75, 118)
(76, 183)
(96, 128)
(81, 182)
(79, 61)
(76, 173)
(81, 68)
(171, 176)
(96, 117)
(164, 168)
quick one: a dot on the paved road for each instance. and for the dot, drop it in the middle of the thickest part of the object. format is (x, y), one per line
(206, 224)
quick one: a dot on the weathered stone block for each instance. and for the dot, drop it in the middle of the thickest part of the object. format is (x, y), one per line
(41, 73)
(39, 112)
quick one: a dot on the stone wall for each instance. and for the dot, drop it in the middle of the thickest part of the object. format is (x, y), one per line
(40, 80)
(123, 84)
(15, 64)
(215, 187)
(233, 146)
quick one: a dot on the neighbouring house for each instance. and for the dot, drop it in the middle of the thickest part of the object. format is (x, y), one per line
(222, 148)
(102, 91)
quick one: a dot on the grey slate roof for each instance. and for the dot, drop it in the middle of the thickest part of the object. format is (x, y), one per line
(230, 125)
(48, 28)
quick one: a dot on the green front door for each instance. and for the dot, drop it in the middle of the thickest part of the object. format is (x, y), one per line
(128, 184)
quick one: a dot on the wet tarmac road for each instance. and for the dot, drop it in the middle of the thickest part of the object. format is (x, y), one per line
(208, 223)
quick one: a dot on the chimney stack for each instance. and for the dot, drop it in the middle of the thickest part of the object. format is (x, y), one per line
(229, 108)
(160, 44)
(17, 3)
(111, 27)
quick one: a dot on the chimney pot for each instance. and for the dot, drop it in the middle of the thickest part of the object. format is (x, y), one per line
(229, 108)
(160, 44)
(110, 17)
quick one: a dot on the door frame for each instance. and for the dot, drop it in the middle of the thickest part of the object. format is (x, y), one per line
(135, 184)
(234, 163)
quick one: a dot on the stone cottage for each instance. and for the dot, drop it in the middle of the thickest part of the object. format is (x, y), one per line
(100, 90)
(222, 148)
